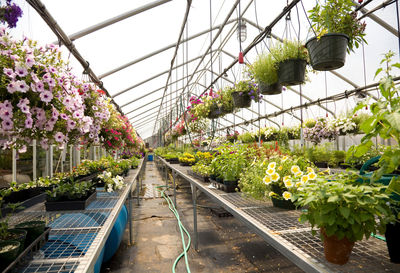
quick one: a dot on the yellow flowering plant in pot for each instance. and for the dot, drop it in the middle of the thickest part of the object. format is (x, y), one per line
(285, 174)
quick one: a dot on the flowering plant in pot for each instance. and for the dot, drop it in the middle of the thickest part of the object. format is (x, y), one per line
(337, 29)
(321, 130)
(10, 13)
(344, 212)
(264, 70)
(343, 125)
(231, 137)
(244, 92)
(291, 60)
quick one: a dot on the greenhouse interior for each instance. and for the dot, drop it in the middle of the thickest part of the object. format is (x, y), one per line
(266, 138)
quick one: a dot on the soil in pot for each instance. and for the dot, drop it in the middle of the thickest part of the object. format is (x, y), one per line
(8, 252)
(34, 229)
(392, 235)
(241, 100)
(328, 52)
(269, 89)
(292, 72)
(18, 235)
(337, 251)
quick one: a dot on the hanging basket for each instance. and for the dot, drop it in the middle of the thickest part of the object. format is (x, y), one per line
(241, 100)
(329, 52)
(269, 89)
(215, 111)
(292, 72)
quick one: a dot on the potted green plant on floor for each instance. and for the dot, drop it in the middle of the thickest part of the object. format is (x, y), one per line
(337, 29)
(344, 212)
(265, 72)
(291, 58)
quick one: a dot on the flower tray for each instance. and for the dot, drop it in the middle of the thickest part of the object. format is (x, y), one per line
(198, 176)
(27, 254)
(70, 205)
(26, 203)
(185, 164)
(173, 160)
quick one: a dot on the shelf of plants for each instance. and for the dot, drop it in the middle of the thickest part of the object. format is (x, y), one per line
(281, 228)
(78, 238)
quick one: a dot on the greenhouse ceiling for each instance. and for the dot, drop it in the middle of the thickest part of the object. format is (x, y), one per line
(151, 56)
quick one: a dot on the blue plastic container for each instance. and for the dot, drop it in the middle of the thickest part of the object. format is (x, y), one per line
(149, 157)
(115, 237)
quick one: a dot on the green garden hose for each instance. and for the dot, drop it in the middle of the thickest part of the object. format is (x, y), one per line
(181, 228)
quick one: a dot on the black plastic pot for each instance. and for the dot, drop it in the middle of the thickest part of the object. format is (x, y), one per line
(329, 52)
(269, 89)
(292, 72)
(281, 203)
(34, 229)
(215, 111)
(8, 252)
(230, 186)
(321, 164)
(241, 100)
(392, 235)
(18, 235)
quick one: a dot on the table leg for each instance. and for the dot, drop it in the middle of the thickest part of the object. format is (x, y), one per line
(194, 198)
(174, 185)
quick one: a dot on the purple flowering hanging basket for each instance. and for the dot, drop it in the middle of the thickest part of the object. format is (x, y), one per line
(215, 111)
(241, 99)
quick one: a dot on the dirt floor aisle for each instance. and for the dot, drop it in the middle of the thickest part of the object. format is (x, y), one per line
(225, 244)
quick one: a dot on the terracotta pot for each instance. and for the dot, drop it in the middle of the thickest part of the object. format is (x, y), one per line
(337, 251)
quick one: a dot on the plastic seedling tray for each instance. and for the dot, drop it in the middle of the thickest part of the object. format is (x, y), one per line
(198, 176)
(26, 204)
(28, 252)
(70, 205)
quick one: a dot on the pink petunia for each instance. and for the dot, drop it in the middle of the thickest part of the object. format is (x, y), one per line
(46, 96)
(11, 87)
(9, 72)
(21, 86)
(59, 137)
(7, 124)
(21, 71)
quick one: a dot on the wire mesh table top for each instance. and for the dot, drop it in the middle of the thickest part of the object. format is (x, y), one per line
(281, 228)
(76, 236)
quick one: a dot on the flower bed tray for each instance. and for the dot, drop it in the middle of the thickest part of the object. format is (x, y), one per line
(173, 161)
(26, 204)
(28, 252)
(70, 205)
(198, 176)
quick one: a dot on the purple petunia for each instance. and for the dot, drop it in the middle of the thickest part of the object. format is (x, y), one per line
(59, 137)
(46, 96)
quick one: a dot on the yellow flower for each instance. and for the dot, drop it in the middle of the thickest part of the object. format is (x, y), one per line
(275, 177)
(271, 193)
(286, 178)
(280, 168)
(288, 183)
(312, 176)
(300, 173)
(286, 195)
(267, 180)
(284, 158)
(264, 162)
(298, 184)
(295, 169)
(272, 165)
(270, 171)
(304, 178)
(310, 170)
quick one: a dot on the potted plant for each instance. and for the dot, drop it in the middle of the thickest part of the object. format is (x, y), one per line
(245, 92)
(344, 212)
(337, 29)
(264, 70)
(291, 59)
(187, 159)
(384, 122)
(34, 229)
(8, 252)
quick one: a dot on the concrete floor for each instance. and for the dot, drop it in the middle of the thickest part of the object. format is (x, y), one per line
(225, 244)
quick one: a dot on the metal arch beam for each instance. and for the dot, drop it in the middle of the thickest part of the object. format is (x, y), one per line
(146, 110)
(158, 75)
(148, 115)
(233, 123)
(161, 50)
(116, 19)
(254, 112)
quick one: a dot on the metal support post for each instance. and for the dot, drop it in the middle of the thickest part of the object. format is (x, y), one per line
(194, 198)
(173, 181)
(51, 160)
(130, 216)
(14, 165)
(138, 190)
(166, 175)
(34, 171)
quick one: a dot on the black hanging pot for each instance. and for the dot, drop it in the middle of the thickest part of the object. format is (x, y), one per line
(329, 52)
(215, 111)
(292, 72)
(241, 99)
(269, 89)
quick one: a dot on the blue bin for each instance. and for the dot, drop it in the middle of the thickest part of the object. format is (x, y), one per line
(150, 158)
(115, 237)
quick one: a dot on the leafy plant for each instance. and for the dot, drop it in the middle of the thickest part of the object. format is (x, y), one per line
(289, 50)
(264, 69)
(343, 208)
(246, 137)
(337, 16)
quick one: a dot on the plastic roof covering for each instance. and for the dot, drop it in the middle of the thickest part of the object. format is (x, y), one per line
(156, 28)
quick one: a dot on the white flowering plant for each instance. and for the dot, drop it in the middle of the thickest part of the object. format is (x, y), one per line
(343, 125)
(111, 183)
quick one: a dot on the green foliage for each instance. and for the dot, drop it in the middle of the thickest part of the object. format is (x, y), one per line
(247, 137)
(344, 208)
(337, 16)
(289, 50)
(70, 191)
(264, 69)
